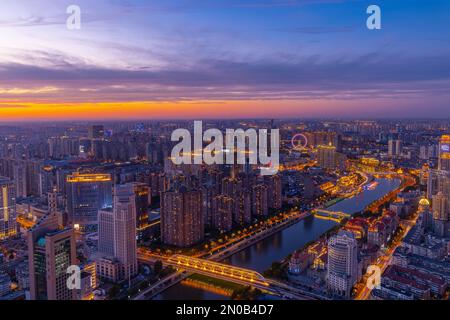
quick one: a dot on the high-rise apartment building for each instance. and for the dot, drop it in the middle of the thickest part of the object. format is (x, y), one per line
(260, 204)
(243, 215)
(440, 214)
(222, 213)
(342, 271)
(274, 191)
(182, 222)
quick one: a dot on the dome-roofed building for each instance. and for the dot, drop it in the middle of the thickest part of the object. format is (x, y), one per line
(424, 202)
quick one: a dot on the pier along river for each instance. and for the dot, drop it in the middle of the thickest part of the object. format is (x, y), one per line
(260, 256)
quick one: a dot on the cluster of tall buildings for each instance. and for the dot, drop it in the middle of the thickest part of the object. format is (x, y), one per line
(420, 268)
(438, 190)
(218, 203)
(87, 198)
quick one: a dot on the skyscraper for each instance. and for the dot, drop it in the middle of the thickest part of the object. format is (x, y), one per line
(8, 227)
(106, 232)
(143, 198)
(51, 251)
(444, 153)
(125, 248)
(274, 191)
(243, 215)
(222, 213)
(86, 194)
(440, 214)
(260, 206)
(342, 272)
(20, 179)
(326, 157)
(182, 222)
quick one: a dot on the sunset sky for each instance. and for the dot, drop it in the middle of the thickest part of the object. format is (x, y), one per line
(136, 59)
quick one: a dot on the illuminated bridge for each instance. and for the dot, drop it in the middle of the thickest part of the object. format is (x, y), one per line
(188, 265)
(217, 270)
(332, 215)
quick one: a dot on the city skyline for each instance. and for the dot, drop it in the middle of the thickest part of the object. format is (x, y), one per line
(223, 59)
(247, 151)
(102, 212)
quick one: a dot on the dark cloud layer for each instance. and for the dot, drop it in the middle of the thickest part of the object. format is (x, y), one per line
(224, 79)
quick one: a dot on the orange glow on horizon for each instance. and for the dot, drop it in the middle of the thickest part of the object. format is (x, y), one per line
(135, 110)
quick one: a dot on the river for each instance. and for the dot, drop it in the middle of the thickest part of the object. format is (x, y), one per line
(260, 256)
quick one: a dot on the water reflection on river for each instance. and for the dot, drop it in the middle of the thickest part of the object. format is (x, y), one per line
(260, 256)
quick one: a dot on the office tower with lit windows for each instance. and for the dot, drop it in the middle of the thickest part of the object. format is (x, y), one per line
(222, 213)
(342, 270)
(8, 226)
(260, 205)
(182, 222)
(106, 232)
(86, 194)
(142, 194)
(444, 153)
(124, 223)
(51, 251)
